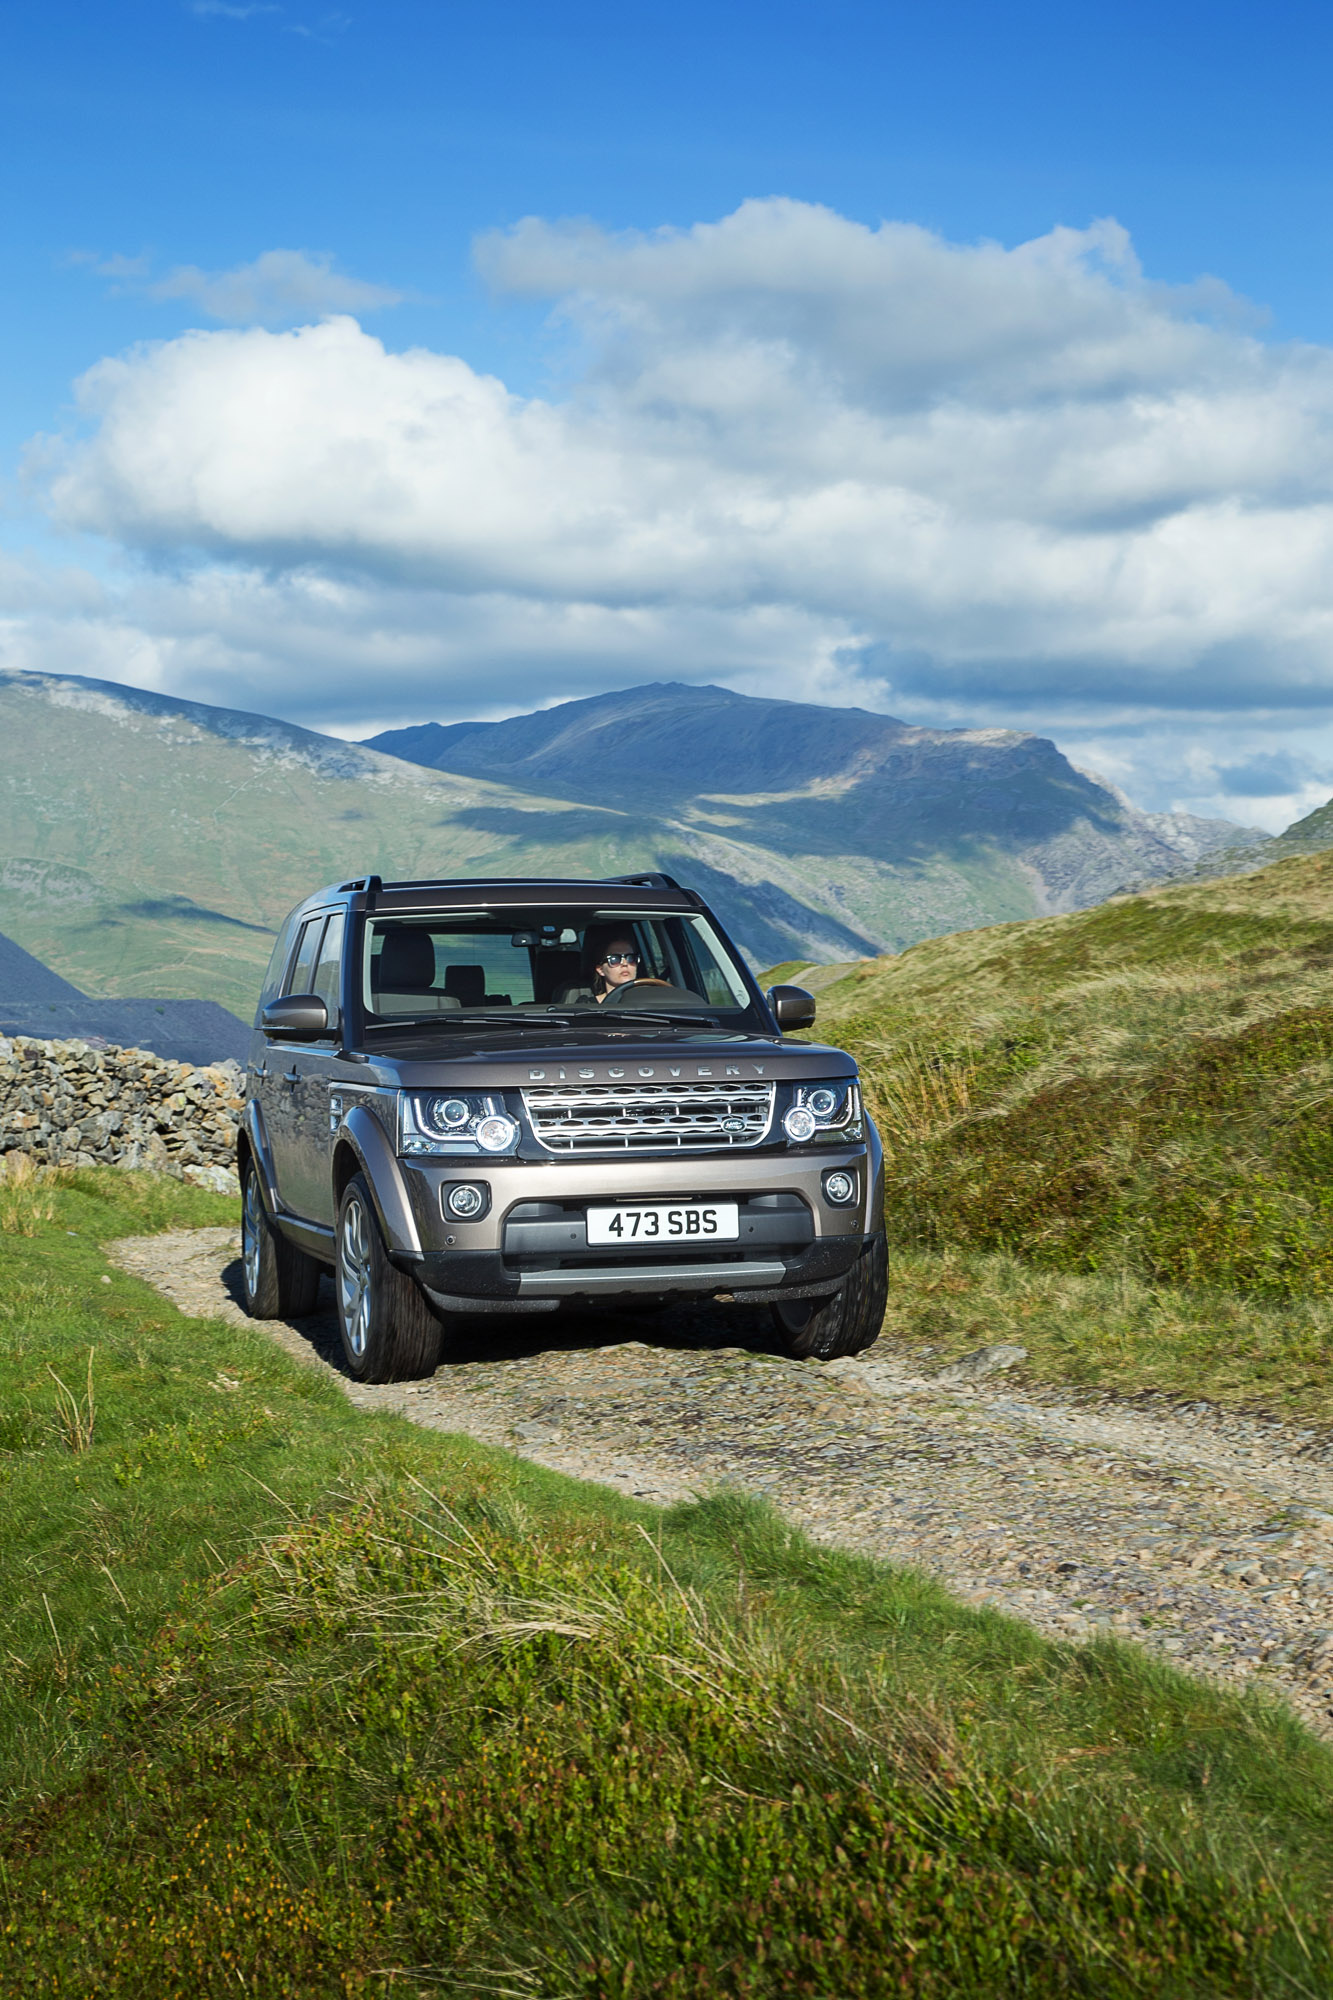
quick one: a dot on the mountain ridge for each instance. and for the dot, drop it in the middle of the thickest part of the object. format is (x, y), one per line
(710, 756)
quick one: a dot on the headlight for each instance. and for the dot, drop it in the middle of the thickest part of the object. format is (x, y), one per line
(824, 1113)
(454, 1121)
(497, 1133)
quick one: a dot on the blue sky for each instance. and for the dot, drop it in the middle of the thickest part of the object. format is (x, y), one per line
(686, 488)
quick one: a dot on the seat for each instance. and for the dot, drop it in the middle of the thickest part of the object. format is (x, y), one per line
(558, 975)
(403, 976)
(467, 984)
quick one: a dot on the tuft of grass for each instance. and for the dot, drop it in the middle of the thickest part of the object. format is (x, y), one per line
(76, 1417)
(27, 1198)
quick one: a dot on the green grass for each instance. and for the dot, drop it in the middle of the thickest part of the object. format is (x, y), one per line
(1136, 1096)
(1113, 1331)
(301, 1702)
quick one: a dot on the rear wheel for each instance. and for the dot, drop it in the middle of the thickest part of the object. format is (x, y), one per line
(389, 1332)
(278, 1281)
(846, 1323)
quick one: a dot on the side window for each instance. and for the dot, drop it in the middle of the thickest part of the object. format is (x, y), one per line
(703, 976)
(303, 967)
(721, 982)
(277, 965)
(328, 971)
(652, 960)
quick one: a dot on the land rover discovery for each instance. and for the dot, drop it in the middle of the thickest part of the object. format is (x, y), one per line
(449, 1107)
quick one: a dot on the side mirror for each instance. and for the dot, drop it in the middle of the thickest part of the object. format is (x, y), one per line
(792, 1007)
(297, 1017)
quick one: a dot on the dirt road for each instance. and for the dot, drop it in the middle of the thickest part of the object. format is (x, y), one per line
(1203, 1536)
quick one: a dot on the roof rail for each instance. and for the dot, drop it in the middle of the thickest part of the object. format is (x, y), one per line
(647, 881)
(370, 883)
(491, 882)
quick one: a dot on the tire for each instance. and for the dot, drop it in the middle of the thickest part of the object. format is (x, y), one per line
(847, 1323)
(389, 1331)
(278, 1281)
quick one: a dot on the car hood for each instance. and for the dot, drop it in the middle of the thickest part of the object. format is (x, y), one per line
(499, 1063)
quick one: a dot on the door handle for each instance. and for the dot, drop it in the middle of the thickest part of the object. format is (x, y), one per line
(291, 1076)
(261, 1070)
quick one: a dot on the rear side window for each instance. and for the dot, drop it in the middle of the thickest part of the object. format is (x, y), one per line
(302, 974)
(328, 970)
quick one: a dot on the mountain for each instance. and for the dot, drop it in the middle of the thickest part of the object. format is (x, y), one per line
(150, 846)
(911, 831)
(1311, 835)
(1304, 836)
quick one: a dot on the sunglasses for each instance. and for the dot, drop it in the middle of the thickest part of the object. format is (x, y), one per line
(621, 958)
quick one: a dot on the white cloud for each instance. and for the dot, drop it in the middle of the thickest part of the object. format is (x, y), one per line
(228, 11)
(319, 649)
(964, 481)
(278, 288)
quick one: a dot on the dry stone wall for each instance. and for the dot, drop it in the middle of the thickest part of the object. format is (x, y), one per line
(70, 1104)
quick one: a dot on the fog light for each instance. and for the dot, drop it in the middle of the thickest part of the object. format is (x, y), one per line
(839, 1188)
(465, 1200)
(496, 1134)
(800, 1124)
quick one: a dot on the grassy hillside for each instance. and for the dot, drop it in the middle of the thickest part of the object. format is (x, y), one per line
(304, 1702)
(1135, 1096)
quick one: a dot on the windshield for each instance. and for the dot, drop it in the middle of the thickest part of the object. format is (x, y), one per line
(604, 963)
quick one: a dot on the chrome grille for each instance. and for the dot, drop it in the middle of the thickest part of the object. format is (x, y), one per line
(649, 1117)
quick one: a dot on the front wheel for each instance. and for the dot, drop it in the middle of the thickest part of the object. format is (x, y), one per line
(389, 1333)
(847, 1323)
(278, 1281)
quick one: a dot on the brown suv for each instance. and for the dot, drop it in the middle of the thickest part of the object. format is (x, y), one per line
(496, 1097)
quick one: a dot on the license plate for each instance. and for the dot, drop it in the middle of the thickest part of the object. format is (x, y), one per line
(687, 1222)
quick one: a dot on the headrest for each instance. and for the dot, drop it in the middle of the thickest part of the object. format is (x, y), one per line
(467, 983)
(407, 961)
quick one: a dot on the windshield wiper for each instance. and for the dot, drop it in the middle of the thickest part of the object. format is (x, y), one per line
(450, 1018)
(624, 1018)
(620, 1020)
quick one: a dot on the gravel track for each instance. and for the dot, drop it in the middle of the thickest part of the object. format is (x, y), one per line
(1202, 1535)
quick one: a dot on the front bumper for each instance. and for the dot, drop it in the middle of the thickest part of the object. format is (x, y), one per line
(530, 1250)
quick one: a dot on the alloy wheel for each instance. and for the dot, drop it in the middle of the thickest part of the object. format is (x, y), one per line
(354, 1282)
(252, 1222)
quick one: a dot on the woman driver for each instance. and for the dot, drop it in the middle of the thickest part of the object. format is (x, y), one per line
(617, 966)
